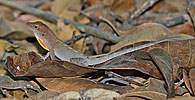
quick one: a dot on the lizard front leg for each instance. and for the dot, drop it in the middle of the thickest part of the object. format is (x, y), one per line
(52, 55)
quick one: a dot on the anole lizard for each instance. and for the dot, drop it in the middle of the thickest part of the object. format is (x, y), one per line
(56, 47)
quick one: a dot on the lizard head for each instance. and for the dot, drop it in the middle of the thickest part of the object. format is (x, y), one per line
(41, 32)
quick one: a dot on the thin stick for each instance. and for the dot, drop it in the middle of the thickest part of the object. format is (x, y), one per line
(174, 21)
(148, 4)
(110, 24)
(78, 37)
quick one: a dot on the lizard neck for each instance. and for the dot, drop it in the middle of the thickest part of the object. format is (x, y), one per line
(48, 41)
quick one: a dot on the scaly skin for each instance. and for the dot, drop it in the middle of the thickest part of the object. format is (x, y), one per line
(49, 41)
(56, 47)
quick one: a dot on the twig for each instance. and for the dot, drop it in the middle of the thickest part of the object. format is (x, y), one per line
(127, 79)
(96, 8)
(110, 24)
(189, 5)
(52, 18)
(73, 38)
(148, 4)
(37, 4)
(174, 21)
(76, 38)
(114, 79)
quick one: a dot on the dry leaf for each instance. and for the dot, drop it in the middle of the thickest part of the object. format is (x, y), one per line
(164, 64)
(24, 46)
(182, 53)
(71, 95)
(66, 32)
(147, 32)
(5, 46)
(96, 9)
(186, 28)
(44, 95)
(182, 98)
(165, 6)
(191, 10)
(8, 83)
(20, 64)
(62, 8)
(70, 84)
(192, 79)
(98, 2)
(154, 90)
(6, 13)
(56, 68)
(5, 27)
(180, 91)
(187, 81)
(120, 6)
(131, 68)
(14, 30)
(100, 94)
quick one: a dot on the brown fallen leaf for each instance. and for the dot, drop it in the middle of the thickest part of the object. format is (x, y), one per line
(71, 95)
(182, 98)
(179, 91)
(5, 27)
(56, 68)
(187, 81)
(96, 9)
(94, 94)
(186, 28)
(8, 83)
(151, 95)
(70, 84)
(24, 46)
(14, 30)
(164, 63)
(182, 53)
(147, 32)
(5, 46)
(167, 6)
(100, 94)
(191, 11)
(20, 64)
(192, 79)
(20, 32)
(154, 90)
(120, 6)
(44, 95)
(99, 44)
(182, 57)
(131, 68)
(6, 13)
(125, 89)
(62, 8)
(65, 32)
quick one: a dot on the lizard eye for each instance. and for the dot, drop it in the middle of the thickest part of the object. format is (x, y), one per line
(42, 34)
(36, 26)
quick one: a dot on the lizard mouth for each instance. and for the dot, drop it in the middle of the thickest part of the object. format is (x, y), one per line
(41, 43)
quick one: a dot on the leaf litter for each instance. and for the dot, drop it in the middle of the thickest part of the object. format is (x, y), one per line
(156, 72)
